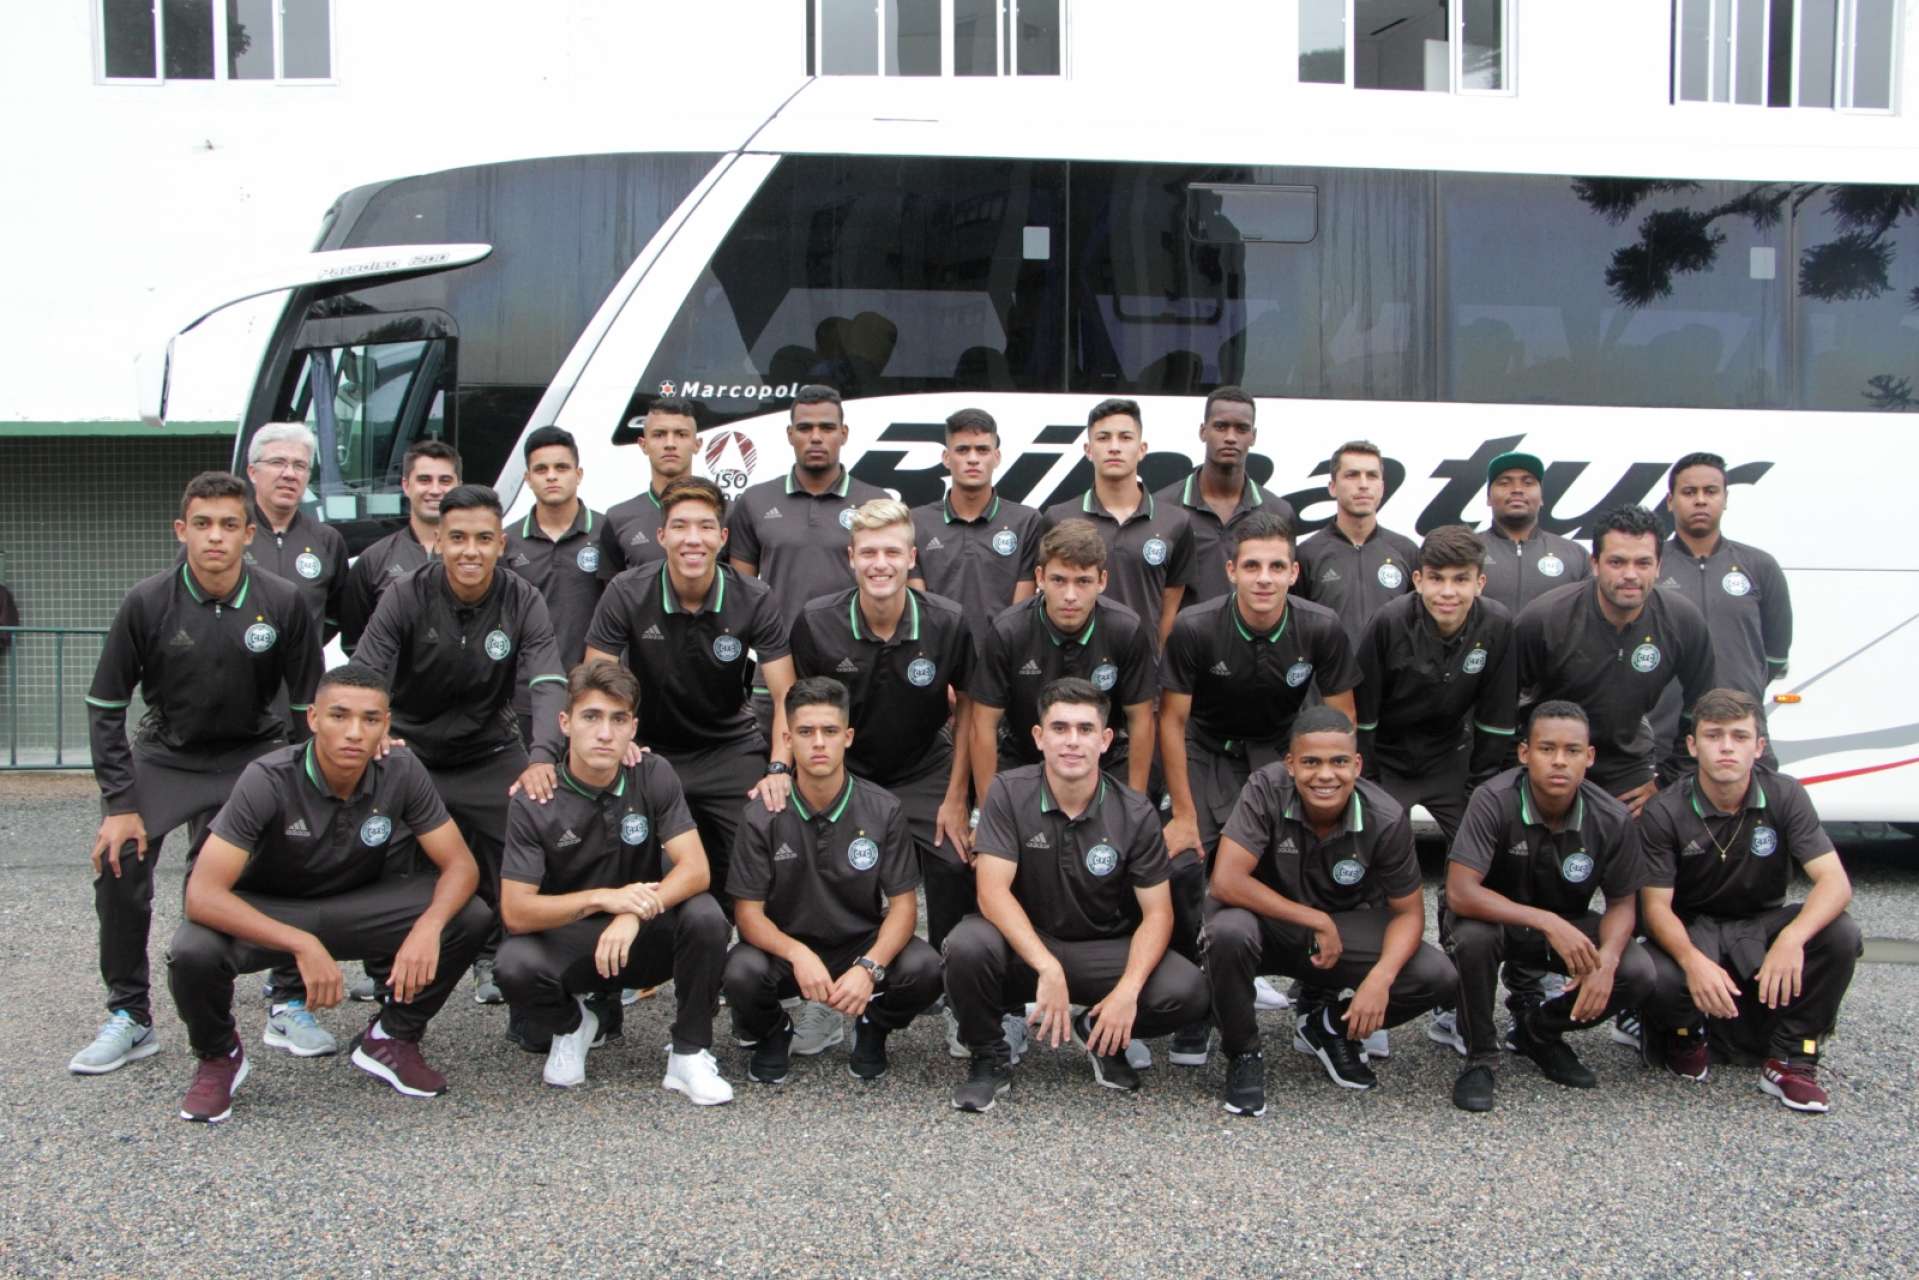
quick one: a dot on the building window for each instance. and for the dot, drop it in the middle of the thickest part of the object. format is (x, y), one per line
(154, 41)
(1785, 53)
(1452, 46)
(936, 37)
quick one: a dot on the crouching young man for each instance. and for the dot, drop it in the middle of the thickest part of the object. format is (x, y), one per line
(292, 869)
(1720, 849)
(1316, 879)
(604, 887)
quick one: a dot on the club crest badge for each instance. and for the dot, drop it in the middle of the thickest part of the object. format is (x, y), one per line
(1005, 542)
(1102, 859)
(920, 672)
(634, 829)
(498, 645)
(1154, 552)
(1645, 658)
(727, 648)
(307, 565)
(1348, 872)
(375, 831)
(260, 637)
(863, 854)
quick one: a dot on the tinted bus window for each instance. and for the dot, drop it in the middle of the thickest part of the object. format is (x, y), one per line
(1858, 321)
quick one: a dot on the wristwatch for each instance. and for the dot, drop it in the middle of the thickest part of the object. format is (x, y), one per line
(778, 767)
(873, 967)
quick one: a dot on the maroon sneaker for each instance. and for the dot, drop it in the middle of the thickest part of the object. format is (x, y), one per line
(1794, 1085)
(210, 1097)
(398, 1062)
(1687, 1053)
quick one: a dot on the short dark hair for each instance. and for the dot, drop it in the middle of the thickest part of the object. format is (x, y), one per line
(1629, 520)
(1112, 407)
(1075, 543)
(1074, 691)
(1352, 446)
(971, 420)
(818, 691)
(677, 406)
(1558, 709)
(598, 675)
(212, 486)
(1320, 719)
(693, 489)
(438, 450)
(548, 437)
(1452, 546)
(1262, 526)
(1712, 460)
(1723, 706)
(818, 393)
(1234, 395)
(471, 497)
(351, 675)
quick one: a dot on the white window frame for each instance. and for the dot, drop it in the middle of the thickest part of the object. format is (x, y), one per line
(218, 8)
(1845, 39)
(1005, 49)
(1455, 52)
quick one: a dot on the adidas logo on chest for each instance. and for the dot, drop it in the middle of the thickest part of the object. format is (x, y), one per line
(1030, 669)
(847, 667)
(298, 827)
(567, 839)
(785, 853)
(1221, 669)
(653, 632)
(1038, 841)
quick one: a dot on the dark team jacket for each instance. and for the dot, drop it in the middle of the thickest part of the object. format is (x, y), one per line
(1248, 687)
(209, 670)
(588, 838)
(379, 567)
(1730, 865)
(310, 555)
(1356, 579)
(569, 574)
(1507, 840)
(1423, 695)
(1519, 572)
(1741, 591)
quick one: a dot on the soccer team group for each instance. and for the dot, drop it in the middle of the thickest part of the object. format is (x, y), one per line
(1139, 752)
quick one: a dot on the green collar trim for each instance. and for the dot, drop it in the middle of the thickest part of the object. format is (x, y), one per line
(846, 798)
(618, 788)
(1088, 506)
(1239, 623)
(912, 614)
(838, 489)
(1049, 805)
(238, 598)
(1355, 811)
(1053, 633)
(991, 513)
(582, 523)
(1752, 789)
(1249, 498)
(715, 599)
(1530, 816)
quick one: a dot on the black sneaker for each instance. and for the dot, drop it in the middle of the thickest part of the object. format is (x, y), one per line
(986, 1079)
(1556, 1059)
(1112, 1071)
(1246, 1084)
(1345, 1065)
(1473, 1091)
(772, 1055)
(1191, 1045)
(611, 1013)
(867, 1061)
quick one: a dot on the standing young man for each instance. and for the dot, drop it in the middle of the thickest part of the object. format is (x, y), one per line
(294, 870)
(210, 646)
(604, 887)
(455, 639)
(287, 541)
(669, 437)
(684, 629)
(1355, 566)
(824, 892)
(429, 471)
(1149, 542)
(1722, 846)
(1524, 561)
(1219, 493)
(1536, 843)
(976, 547)
(1316, 879)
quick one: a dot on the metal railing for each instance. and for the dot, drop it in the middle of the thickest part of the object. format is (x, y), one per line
(15, 660)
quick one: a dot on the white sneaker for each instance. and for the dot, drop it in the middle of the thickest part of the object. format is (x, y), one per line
(1268, 996)
(1552, 985)
(1444, 1029)
(697, 1075)
(1376, 1045)
(1139, 1056)
(629, 996)
(1014, 1029)
(119, 1041)
(816, 1029)
(954, 1048)
(566, 1060)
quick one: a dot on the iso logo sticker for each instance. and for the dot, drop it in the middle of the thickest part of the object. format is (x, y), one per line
(1475, 661)
(921, 672)
(588, 559)
(1105, 676)
(307, 565)
(498, 645)
(1391, 576)
(260, 637)
(1645, 658)
(1102, 859)
(730, 457)
(1551, 565)
(1736, 584)
(846, 518)
(1299, 673)
(1765, 842)
(1005, 542)
(1577, 868)
(1348, 872)
(375, 830)
(634, 829)
(727, 648)
(1154, 552)
(863, 854)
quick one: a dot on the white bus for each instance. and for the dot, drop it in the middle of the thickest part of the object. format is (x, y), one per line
(1607, 304)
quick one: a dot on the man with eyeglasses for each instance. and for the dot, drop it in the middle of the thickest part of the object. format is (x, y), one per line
(289, 542)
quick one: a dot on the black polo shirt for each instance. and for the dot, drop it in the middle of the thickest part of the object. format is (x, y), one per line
(1504, 837)
(310, 555)
(827, 876)
(379, 567)
(1423, 695)
(1149, 554)
(1567, 649)
(630, 534)
(588, 838)
(1024, 653)
(798, 540)
(209, 669)
(1365, 862)
(977, 562)
(1730, 864)
(1212, 536)
(1519, 571)
(453, 666)
(1076, 877)
(1356, 579)
(1742, 593)
(569, 573)
(692, 667)
(1248, 686)
(302, 841)
(898, 686)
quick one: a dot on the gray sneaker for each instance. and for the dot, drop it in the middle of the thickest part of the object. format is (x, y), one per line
(120, 1040)
(363, 989)
(291, 1026)
(817, 1028)
(955, 1048)
(485, 989)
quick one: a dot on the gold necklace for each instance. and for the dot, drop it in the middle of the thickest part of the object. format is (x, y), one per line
(1726, 848)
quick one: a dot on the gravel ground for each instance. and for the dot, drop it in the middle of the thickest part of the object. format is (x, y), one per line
(322, 1170)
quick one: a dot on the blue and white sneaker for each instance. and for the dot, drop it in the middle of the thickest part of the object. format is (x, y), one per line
(291, 1026)
(120, 1040)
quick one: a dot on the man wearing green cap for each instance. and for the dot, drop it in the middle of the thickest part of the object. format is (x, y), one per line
(1524, 561)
